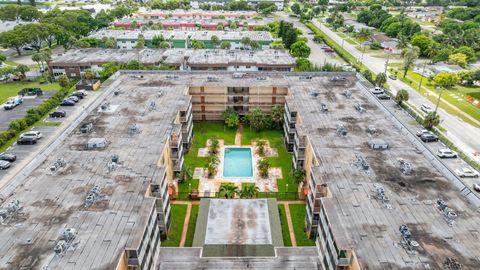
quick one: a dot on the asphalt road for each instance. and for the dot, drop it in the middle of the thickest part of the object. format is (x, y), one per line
(462, 134)
(28, 102)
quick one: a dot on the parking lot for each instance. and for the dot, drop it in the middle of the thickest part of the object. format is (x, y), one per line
(21, 110)
(25, 153)
(451, 163)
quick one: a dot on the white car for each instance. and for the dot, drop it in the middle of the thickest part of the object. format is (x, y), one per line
(377, 90)
(426, 109)
(466, 172)
(446, 153)
(422, 131)
(32, 134)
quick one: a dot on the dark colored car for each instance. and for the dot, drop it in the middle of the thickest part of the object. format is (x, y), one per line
(8, 157)
(27, 140)
(383, 96)
(79, 95)
(4, 165)
(429, 137)
(58, 114)
(67, 103)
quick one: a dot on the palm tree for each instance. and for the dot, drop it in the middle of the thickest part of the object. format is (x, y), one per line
(228, 190)
(212, 164)
(402, 95)
(213, 147)
(431, 120)
(249, 191)
(298, 175)
(246, 41)
(402, 42)
(261, 147)
(89, 74)
(263, 166)
(381, 79)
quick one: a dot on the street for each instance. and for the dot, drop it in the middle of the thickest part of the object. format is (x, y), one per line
(462, 134)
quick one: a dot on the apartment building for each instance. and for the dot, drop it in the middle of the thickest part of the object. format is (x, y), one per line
(362, 209)
(74, 62)
(157, 14)
(193, 24)
(196, 3)
(127, 39)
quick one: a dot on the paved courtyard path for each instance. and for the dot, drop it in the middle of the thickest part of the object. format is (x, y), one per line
(238, 135)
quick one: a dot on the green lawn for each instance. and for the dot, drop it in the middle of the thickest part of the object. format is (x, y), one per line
(283, 221)
(191, 225)
(178, 213)
(284, 159)
(12, 88)
(202, 131)
(298, 218)
(455, 96)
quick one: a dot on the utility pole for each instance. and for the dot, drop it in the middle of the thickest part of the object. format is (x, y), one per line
(439, 97)
(388, 58)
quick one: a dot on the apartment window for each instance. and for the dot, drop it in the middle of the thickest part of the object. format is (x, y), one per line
(247, 66)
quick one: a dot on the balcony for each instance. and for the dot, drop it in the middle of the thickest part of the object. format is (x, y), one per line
(178, 165)
(345, 258)
(175, 141)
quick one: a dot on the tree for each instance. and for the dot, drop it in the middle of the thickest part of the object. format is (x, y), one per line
(29, 13)
(401, 96)
(261, 147)
(230, 116)
(63, 81)
(291, 36)
(468, 52)
(263, 166)
(198, 44)
(215, 41)
(2, 59)
(257, 119)
(15, 39)
(22, 69)
(108, 69)
(364, 34)
(214, 146)
(111, 43)
(410, 56)
(300, 49)
(298, 175)
(220, 26)
(246, 41)
(157, 40)
(296, 8)
(254, 45)
(277, 114)
(368, 75)
(226, 45)
(227, 190)
(402, 42)
(381, 79)
(134, 65)
(422, 42)
(446, 79)
(458, 59)
(431, 120)
(212, 164)
(140, 42)
(164, 45)
(303, 64)
(249, 191)
(89, 74)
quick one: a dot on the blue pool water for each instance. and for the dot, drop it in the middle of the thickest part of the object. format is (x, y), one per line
(237, 162)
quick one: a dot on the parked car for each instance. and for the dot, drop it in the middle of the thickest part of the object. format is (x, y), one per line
(74, 99)
(13, 102)
(466, 172)
(422, 131)
(328, 50)
(67, 102)
(79, 95)
(446, 153)
(377, 90)
(8, 157)
(476, 187)
(32, 134)
(426, 109)
(4, 164)
(393, 77)
(27, 140)
(430, 137)
(58, 114)
(383, 96)
(27, 48)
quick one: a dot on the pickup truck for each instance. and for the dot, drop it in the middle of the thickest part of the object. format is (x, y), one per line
(12, 103)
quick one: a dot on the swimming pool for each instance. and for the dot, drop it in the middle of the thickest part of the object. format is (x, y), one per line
(237, 162)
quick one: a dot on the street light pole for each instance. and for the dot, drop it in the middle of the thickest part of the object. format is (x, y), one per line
(439, 97)
(421, 78)
(388, 59)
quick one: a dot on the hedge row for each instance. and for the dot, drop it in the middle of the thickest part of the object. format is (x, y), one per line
(18, 126)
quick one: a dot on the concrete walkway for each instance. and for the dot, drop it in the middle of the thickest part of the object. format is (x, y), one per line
(238, 135)
(185, 225)
(289, 219)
